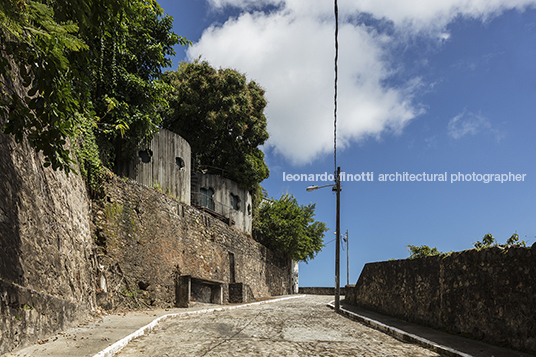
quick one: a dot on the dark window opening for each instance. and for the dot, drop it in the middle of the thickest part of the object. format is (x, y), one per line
(235, 202)
(179, 162)
(145, 155)
(249, 209)
(143, 285)
(206, 198)
(232, 278)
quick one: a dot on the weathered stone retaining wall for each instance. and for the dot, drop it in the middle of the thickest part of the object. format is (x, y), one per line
(148, 239)
(488, 295)
(45, 242)
(28, 315)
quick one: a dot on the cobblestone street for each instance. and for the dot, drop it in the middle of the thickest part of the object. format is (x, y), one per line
(296, 327)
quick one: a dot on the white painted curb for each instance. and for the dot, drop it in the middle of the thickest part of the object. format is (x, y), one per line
(119, 345)
(403, 335)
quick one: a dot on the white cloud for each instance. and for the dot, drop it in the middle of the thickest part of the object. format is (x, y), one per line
(431, 142)
(290, 52)
(444, 36)
(220, 4)
(292, 57)
(420, 15)
(467, 123)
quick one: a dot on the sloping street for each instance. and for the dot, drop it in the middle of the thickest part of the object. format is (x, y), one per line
(295, 327)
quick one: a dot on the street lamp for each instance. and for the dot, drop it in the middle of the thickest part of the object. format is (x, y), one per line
(314, 187)
(336, 188)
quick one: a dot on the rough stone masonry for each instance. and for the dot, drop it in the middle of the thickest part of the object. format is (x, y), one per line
(153, 239)
(489, 294)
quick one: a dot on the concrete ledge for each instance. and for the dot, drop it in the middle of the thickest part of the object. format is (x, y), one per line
(403, 335)
(119, 345)
(184, 290)
(444, 343)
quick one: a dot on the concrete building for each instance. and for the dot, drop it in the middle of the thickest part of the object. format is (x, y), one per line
(165, 165)
(224, 198)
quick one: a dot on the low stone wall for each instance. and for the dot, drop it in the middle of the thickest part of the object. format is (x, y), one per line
(148, 239)
(319, 290)
(28, 316)
(489, 295)
(350, 292)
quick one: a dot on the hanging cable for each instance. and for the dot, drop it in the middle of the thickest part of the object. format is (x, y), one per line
(335, 95)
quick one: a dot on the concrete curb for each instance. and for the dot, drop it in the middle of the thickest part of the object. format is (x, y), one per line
(403, 335)
(119, 345)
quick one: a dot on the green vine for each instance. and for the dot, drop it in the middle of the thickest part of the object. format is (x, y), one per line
(87, 153)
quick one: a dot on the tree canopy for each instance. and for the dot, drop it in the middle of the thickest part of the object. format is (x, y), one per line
(127, 95)
(422, 251)
(85, 65)
(489, 241)
(221, 115)
(286, 227)
(39, 45)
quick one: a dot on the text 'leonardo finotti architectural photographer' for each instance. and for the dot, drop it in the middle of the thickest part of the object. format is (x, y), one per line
(408, 177)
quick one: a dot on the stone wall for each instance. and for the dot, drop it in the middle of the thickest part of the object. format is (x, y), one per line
(320, 290)
(148, 239)
(28, 316)
(45, 237)
(489, 295)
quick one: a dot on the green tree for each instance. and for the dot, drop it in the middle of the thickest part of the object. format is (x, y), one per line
(288, 228)
(221, 115)
(422, 251)
(487, 241)
(34, 48)
(83, 61)
(127, 95)
(514, 240)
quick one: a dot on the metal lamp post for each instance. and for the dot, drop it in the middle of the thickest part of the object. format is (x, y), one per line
(347, 258)
(336, 188)
(338, 243)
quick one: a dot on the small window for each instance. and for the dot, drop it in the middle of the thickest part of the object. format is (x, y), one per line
(235, 202)
(145, 155)
(179, 162)
(249, 209)
(206, 198)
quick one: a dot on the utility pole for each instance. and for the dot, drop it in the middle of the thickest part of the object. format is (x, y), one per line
(336, 188)
(347, 259)
(338, 242)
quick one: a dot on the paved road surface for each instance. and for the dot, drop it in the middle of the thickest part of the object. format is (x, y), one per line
(296, 327)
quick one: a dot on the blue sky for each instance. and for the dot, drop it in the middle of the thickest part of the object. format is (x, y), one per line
(436, 87)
